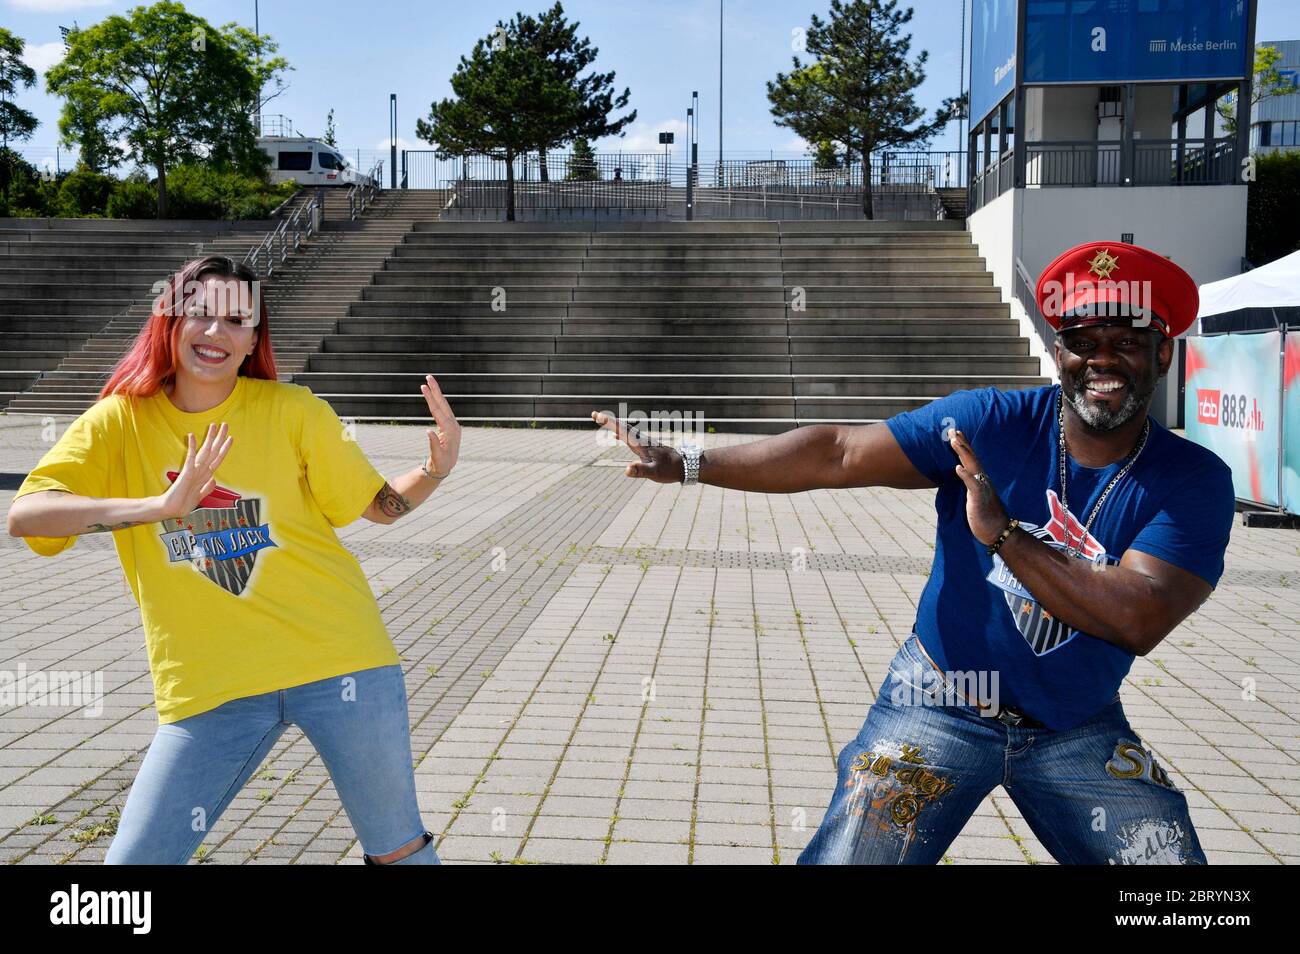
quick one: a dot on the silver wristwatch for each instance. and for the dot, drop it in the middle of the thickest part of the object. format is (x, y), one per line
(691, 454)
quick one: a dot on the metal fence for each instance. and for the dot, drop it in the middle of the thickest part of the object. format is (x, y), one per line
(622, 182)
(991, 181)
(905, 184)
(422, 169)
(1154, 162)
(898, 171)
(1162, 162)
(1175, 162)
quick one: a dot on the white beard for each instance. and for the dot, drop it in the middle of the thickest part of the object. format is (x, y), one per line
(1103, 419)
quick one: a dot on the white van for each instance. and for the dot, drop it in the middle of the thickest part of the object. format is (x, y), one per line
(308, 161)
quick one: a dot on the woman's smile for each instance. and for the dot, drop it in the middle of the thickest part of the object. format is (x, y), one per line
(210, 354)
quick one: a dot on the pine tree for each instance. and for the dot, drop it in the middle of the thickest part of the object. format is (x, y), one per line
(857, 91)
(519, 91)
(582, 163)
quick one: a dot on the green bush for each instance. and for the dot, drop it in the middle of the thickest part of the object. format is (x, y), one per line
(133, 198)
(203, 192)
(194, 191)
(27, 194)
(1272, 227)
(34, 198)
(85, 193)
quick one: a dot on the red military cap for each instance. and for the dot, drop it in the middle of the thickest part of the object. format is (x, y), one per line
(1100, 283)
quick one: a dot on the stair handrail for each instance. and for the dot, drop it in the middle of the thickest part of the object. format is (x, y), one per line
(1023, 290)
(285, 238)
(364, 192)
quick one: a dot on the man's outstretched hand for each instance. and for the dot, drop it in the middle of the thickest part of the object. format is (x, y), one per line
(655, 462)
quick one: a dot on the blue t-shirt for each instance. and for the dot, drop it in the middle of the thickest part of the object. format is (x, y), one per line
(1176, 503)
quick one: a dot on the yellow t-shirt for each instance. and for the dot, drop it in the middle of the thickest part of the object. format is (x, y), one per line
(252, 591)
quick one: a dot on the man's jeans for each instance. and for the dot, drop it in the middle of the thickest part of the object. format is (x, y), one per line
(357, 721)
(923, 762)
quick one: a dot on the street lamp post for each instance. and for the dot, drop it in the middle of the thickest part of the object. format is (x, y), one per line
(392, 140)
(690, 186)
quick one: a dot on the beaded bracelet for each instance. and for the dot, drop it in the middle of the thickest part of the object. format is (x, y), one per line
(1002, 537)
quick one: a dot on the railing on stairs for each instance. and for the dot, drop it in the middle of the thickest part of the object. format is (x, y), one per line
(1023, 289)
(286, 237)
(364, 192)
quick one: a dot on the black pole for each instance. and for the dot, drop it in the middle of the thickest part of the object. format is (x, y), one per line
(392, 140)
(1245, 94)
(257, 29)
(720, 83)
(690, 193)
(695, 146)
(961, 82)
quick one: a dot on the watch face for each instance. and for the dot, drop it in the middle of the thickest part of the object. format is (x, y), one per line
(691, 448)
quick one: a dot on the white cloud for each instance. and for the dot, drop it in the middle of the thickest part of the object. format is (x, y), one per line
(644, 137)
(41, 56)
(386, 143)
(56, 6)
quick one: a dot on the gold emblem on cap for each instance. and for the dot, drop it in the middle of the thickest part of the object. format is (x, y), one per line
(1103, 263)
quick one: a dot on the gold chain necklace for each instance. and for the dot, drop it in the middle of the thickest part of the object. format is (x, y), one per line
(1146, 429)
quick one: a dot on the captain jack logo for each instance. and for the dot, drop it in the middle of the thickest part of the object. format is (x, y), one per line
(220, 539)
(1043, 631)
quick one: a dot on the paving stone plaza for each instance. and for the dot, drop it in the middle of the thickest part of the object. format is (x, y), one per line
(606, 670)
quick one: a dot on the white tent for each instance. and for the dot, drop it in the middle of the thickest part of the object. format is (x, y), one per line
(1275, 285)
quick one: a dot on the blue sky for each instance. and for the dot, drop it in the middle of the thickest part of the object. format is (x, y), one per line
(349, 56)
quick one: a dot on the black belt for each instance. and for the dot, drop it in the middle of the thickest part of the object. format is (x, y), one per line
(1005, 714)
(1013, 717)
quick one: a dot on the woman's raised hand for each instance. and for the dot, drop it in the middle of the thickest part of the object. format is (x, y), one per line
(196, 479)
(444, 441)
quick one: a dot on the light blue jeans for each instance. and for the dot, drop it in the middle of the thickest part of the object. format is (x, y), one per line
(924, 761)
(359, 724)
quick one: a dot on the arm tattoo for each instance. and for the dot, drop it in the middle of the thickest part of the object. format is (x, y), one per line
(391, 503)
(104, 527)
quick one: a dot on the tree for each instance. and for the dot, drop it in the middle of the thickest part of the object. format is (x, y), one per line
(825, 155)
(582, 163)
(1272, 229)
(557, 41)
(1268, 82)
(500, 90)
(169, 87)
(79, 125)
(858, 90)
(329, 130)
(519, 91)
(16, 123)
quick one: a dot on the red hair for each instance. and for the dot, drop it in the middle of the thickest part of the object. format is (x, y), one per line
(151, 360)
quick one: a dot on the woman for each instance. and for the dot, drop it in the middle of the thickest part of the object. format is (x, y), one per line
(255, 616)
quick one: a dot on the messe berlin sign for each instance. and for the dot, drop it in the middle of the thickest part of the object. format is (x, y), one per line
(1123, 41)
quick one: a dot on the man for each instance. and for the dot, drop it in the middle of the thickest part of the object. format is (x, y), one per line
(1074, 533)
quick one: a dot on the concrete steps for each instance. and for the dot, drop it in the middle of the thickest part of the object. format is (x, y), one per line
(63, 280)
(305, 297)
(758, 326)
